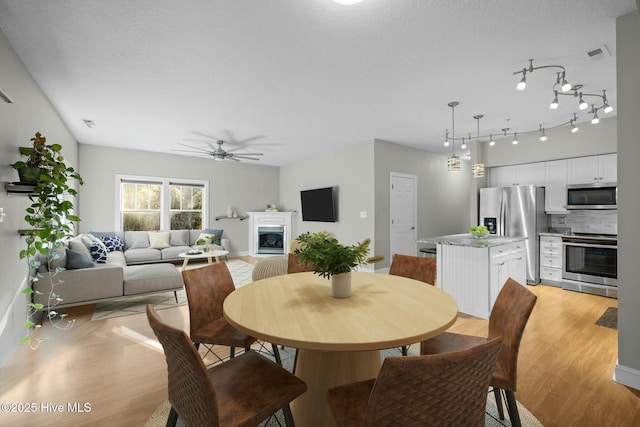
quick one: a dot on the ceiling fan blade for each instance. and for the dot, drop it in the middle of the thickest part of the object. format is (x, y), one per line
(231, 158)
(249, 154)
(190, 151)
(244, 157)
(204, 135)
(195, 148)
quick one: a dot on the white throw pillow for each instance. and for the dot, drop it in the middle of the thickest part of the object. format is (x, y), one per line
(159, 240)
(208, 239)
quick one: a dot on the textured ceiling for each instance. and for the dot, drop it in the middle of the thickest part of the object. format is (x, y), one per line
(293, 78)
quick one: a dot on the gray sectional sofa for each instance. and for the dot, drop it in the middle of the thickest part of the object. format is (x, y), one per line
(134, 263)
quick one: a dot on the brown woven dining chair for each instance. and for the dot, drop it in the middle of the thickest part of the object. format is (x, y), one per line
(241, 392)
(446, 389)
(413, 267)
(295, 266)
(207, 287)
(508, 319)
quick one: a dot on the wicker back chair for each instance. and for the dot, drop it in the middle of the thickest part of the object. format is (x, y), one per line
(244, 391)
(413, 267)
(508, 319)
(447, 389)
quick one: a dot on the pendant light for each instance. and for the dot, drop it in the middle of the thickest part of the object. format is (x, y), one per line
(453, 162)
(477, 169)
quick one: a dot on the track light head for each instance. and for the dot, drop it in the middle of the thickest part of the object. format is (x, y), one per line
(515, 138)
(554, 103)
(523, 82)
(566, 86)
(582, 104)
(607, 108)
(595, 120)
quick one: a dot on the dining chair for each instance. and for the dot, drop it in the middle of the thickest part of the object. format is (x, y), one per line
(207, 287)
(241, 392)
(295, 266)
(508, 319)
(413, 267)
(445, 389)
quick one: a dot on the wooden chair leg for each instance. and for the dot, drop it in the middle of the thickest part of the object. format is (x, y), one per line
(498, 397)
(173, 418)
(512, 407)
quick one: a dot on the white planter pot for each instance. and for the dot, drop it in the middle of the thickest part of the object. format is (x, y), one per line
(341, 285)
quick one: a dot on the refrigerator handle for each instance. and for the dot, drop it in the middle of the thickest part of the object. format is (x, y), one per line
(503, 214)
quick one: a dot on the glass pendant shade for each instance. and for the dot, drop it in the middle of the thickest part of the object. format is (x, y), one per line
(453, 163)
(477, 170)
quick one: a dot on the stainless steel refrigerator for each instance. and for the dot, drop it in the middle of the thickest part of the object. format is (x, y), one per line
(516, 211)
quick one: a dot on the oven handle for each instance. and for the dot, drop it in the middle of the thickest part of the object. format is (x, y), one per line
(590, 245)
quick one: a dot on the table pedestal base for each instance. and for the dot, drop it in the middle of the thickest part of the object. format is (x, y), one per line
(325, 369)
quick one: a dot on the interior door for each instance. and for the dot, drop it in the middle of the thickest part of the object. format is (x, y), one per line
(403, 214)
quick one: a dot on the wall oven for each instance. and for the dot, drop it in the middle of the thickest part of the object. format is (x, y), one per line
(592, 196)
(590, 264)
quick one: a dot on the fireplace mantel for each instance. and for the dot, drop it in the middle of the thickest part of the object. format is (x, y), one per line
(270, 219)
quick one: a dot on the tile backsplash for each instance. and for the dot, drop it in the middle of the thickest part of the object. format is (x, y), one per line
(587, 221)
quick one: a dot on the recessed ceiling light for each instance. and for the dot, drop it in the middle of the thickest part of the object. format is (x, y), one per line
(347, 2)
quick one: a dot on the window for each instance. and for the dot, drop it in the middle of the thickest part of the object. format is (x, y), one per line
(150, 203)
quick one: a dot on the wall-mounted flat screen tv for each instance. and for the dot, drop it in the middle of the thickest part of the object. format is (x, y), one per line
(319, 205)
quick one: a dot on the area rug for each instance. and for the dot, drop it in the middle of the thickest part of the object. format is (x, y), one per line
(240, 272)
(609, 318)
(159, 417)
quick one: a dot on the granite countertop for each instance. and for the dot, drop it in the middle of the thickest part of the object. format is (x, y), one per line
(468, 240)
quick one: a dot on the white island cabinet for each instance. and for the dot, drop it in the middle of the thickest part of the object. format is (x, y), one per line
(473, 271)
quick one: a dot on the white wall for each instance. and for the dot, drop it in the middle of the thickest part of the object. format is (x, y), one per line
(628, 80)
(241, 185)
(561, 144)
(30, 113)
(350, 169)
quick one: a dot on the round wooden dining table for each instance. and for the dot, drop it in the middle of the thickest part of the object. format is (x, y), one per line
(339, 340)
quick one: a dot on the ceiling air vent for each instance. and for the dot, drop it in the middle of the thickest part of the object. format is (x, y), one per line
(597, 53)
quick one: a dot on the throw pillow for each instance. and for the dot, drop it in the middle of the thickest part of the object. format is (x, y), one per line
(136, 239)
(76, 244)
(98, 252)
(113, 243)
(159, 240)
(94, 239)
(217, 233)
(77, 260)
(205, 239)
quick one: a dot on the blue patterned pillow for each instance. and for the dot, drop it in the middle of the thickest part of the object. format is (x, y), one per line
(98, 253)
(113, 243)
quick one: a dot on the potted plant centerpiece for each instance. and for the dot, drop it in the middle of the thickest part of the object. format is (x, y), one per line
(333, 260)
(49, 217)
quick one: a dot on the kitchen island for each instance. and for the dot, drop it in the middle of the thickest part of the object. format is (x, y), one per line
(473, 270)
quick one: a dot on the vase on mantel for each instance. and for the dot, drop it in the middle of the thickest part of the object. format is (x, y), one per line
(341, 285)
(229, 212)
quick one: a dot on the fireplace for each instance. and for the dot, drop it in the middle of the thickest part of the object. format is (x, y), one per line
(270, 239)
(270, 233)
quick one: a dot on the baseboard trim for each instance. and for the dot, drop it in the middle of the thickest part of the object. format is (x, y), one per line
(627, 376)
(12, 323)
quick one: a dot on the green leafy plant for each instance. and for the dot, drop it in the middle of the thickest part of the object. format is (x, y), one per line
(50, 218)
(328, 257)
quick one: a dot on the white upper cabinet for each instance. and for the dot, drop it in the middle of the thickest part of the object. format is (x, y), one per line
(555, 193)
(526, 174)
(593, 169)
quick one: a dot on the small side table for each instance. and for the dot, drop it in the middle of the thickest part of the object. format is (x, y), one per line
(208, 255)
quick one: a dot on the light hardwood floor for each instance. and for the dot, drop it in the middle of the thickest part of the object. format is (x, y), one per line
(565, 369)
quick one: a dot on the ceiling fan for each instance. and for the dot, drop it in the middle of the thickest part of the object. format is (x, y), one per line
(218, 153)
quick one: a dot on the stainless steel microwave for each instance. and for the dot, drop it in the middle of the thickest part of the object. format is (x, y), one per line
(592, 196)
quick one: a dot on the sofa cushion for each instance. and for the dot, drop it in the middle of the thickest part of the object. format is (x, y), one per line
(217, 233)
(102, 234)
(172, 252)
(138, 255)
(77, 260)
(179, 237)
(113, 243)
(136, 239)
(98, 252)
(141, 279)
(116, 258)
(159, 240)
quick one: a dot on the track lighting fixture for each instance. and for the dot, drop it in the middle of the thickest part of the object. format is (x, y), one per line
(572, 125)
(595, 119)
(464, 144)
(491, 141)
(515, 138)
(522, 84)
(446, 138)
(607, 108)
(566, 86)
(543, 137)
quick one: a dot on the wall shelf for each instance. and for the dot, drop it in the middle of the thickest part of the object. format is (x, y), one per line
(18, 188)
(240, 217)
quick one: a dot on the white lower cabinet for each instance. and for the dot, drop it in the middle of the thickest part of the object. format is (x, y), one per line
(551, 260)
(474, 276)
